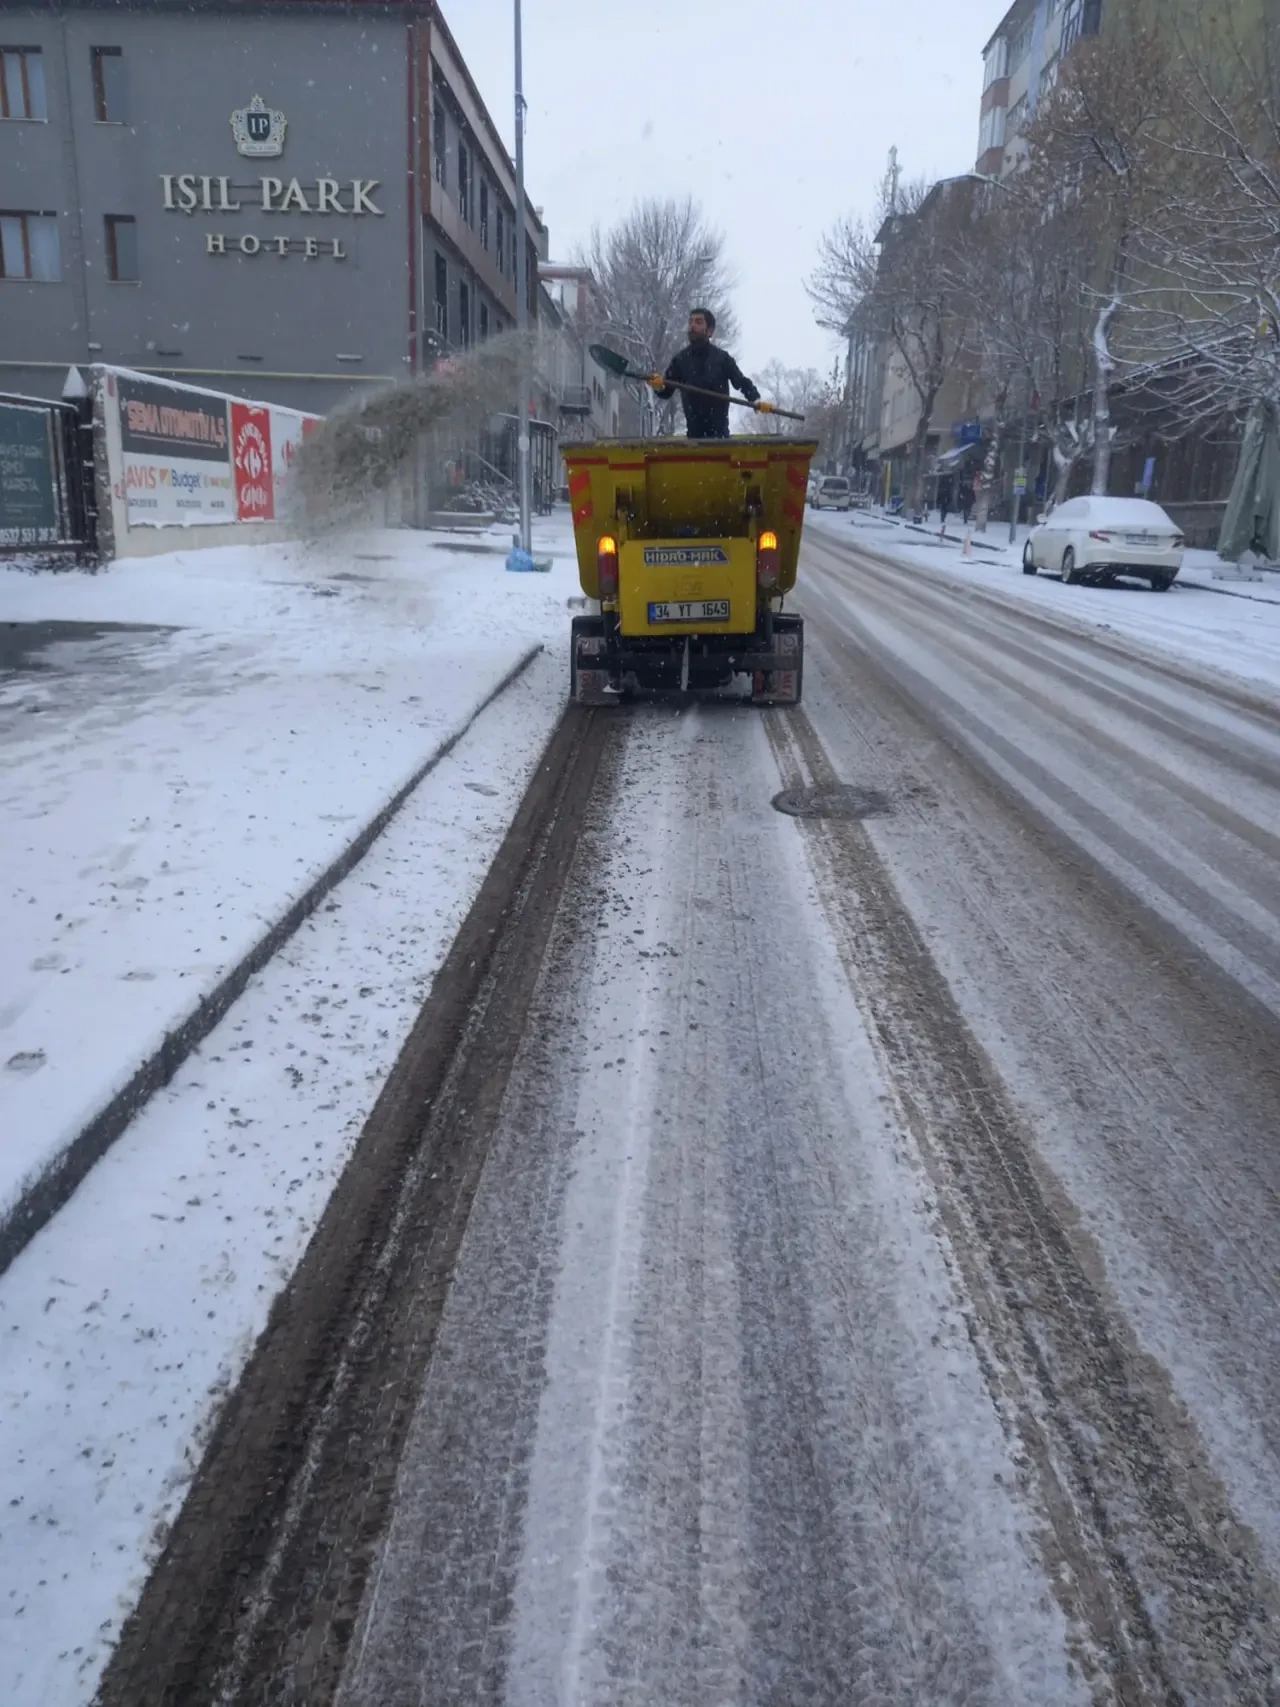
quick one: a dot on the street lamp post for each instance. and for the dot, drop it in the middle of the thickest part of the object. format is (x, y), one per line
(522, 299)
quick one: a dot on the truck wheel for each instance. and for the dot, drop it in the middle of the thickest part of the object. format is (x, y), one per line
(588, 662)
(782, 687)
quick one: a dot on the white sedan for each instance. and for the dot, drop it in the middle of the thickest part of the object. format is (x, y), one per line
(1096, 539)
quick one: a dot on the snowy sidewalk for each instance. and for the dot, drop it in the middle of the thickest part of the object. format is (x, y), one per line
(173, 785)
(1230, 629)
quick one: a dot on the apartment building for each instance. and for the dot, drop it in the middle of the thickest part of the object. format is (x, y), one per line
(1020, 65)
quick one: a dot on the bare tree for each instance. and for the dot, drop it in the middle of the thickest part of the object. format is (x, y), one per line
(901, 279)
(1212, 243)
(1024, 272)
(659, 261)
(804, 391)
(1101, 140)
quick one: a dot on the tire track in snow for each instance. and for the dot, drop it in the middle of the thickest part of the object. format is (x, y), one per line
(786, 1370)
(1161, 1580)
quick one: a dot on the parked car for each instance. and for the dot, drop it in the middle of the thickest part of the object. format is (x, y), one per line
(1096, 539)
(831, 493)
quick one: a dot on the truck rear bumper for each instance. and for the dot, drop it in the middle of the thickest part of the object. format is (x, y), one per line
(739, 663)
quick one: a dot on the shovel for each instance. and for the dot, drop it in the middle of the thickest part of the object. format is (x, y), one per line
(614, 363)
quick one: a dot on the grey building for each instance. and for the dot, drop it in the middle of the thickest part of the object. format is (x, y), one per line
(285, 199)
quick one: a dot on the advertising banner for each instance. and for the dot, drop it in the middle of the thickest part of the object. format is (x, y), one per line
(252, 459)
(176, 452)
(28, 489)
(288, 429)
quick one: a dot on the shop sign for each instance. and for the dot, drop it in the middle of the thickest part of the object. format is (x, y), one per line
(28, 489)
(176, 455)
(251, 459)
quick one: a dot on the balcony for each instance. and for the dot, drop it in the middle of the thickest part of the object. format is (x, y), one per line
(1083, 18)
(575, 400)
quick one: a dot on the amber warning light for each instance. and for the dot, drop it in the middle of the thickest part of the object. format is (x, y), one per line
(607, 567)
(767, 560)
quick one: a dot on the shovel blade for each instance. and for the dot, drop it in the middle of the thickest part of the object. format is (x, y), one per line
(609, 359)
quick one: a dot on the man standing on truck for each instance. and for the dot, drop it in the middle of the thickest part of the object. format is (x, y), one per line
(710, 368)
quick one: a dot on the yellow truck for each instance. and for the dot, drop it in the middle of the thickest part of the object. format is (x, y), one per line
(687, 549)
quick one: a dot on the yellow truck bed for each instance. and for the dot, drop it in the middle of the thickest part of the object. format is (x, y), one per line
(674, 490)
(689, 546)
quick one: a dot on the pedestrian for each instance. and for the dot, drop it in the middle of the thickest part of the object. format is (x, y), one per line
(966, 500)
(944, 501)
(703, 364)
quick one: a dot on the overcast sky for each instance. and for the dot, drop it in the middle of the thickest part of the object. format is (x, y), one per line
(777, 114)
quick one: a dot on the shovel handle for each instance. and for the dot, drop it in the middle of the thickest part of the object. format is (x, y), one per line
(720, 396)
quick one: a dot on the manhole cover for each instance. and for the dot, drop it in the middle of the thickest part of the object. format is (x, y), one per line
(832, 800)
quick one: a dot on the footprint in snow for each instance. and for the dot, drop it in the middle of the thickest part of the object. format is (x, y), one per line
(26, 1061)
(480, 788)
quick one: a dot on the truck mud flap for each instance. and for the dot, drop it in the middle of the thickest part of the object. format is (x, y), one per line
(589, 676)
(784, 683)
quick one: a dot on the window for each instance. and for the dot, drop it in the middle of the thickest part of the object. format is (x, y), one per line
(29, 247)
(1016, 122)
(500, 239)
(1021, 45)
(439, 138)
(464, 313)
(122, 248)
(1081, 18)
(464, 181)
(996, 62)
(992, 133)
(110, 105)
(442, 297)
(484, 213)
(22, 83)
(484, 321)
(1049, 76)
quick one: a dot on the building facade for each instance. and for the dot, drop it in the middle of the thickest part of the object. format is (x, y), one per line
(1020, 65)
(288, 199)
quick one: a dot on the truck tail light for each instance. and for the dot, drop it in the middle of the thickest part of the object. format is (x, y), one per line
(767, 561)
(607, 567)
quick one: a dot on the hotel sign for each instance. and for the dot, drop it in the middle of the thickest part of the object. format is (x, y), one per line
(259, 133)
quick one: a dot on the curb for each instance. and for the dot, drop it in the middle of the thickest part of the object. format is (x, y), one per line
(41, 1201)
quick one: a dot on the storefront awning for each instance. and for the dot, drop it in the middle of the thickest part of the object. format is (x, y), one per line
(950, 458)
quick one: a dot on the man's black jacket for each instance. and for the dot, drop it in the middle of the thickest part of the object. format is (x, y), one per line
(715, 370)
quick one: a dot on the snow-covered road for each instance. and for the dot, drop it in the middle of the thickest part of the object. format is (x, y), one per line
(870, 1284)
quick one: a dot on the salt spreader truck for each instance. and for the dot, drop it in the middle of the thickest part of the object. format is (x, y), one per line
(687, 549)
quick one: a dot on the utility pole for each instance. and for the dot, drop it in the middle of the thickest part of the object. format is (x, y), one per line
(522, 299)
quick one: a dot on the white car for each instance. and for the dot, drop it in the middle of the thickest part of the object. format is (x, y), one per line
(831, 493)
(1096, 539)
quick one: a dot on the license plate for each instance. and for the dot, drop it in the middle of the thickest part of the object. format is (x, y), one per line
(701, 610)
(1138, 539)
